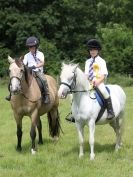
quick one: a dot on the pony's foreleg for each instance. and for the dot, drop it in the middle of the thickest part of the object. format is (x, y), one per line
(19, 131)
(19, 136)
(34, 120)
(91, 139)
(33, 137)
(39, 127)
(80, 130)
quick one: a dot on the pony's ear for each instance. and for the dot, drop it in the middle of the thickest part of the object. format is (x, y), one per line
(10, 60)
(28, 75)
(63, 64)
(76, 66)
(21, 58)
(73, 61)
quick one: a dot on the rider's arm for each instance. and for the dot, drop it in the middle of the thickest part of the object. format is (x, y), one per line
(40, 64)
(99, 80)
(41, 60)
(25, 61)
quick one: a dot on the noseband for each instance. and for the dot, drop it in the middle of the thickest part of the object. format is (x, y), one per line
(72, 85)
(72, 88)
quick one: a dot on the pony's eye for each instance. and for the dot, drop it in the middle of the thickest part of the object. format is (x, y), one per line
(69, 79)
(21, 70)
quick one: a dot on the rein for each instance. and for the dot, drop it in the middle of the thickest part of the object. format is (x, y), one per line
(77, 91)
(29, 99)
(83, 91)
(15, 78)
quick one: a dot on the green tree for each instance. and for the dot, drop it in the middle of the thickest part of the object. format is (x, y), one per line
(118, 47)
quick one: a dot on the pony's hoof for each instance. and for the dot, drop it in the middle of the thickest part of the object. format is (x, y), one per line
(19, 149)
(117, 147)
(92, 156)
(40, 142)
(33, 152)
(81, 155)
(55, 139)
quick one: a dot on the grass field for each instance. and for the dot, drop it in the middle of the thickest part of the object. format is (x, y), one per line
(61, 159)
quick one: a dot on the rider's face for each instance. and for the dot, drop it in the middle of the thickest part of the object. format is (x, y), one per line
(93, 52)
(32, 49)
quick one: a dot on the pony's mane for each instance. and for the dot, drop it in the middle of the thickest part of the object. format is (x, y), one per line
(82, 79)
(27, 73)
(18, 63)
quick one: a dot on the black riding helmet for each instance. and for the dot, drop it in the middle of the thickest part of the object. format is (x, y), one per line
(94, 44)
(32, 41)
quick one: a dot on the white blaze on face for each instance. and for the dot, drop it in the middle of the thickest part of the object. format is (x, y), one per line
(62, 92)
(15, 85)
(65, 77)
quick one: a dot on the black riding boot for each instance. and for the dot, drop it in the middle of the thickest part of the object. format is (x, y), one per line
(44, 90)
(46, 93)
(109, 108)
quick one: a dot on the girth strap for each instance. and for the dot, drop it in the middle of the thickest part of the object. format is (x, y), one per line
(102, 107)
(100, 114)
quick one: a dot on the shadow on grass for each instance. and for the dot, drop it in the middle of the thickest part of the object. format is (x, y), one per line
(26, 147)
(103, 147)
(98, 148)
(2, 156)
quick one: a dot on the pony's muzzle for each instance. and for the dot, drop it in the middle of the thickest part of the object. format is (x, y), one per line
(15, 86)
(15, 90)
(62, 94)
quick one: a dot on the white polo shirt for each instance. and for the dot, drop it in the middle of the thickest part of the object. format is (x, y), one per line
(30, 60)
(101, 63)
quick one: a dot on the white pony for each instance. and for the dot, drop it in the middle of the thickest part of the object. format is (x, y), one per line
(85, 109)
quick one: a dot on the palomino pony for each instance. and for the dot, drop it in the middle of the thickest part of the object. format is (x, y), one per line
(26, 101)
(85, 109)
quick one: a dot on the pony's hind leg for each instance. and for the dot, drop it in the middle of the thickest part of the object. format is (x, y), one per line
(119, 131)
(118, 128)
(39, 127)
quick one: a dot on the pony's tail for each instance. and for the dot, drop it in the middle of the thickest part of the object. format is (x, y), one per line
(54, 123)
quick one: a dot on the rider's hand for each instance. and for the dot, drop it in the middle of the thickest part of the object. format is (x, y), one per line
(95, 82)
(32, 67)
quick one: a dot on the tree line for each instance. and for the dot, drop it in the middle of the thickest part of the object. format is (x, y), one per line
(64, 26)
